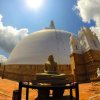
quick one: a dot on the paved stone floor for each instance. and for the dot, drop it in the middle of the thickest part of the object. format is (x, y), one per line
(88, 91)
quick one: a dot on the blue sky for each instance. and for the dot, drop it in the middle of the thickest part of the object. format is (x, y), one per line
(18, 15)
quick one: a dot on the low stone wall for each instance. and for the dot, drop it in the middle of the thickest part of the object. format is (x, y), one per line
(28, 72)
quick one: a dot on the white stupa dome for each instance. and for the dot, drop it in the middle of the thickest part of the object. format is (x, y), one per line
(35, 48)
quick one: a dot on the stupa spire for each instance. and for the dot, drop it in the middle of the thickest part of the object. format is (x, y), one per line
(52, 26)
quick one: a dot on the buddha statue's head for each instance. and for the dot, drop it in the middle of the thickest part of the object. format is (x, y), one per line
(51, 58)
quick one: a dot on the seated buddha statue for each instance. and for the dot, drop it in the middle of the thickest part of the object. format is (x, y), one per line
(50, 74)
(50, 66)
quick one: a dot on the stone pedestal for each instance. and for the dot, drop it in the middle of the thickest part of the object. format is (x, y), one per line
(53, 79)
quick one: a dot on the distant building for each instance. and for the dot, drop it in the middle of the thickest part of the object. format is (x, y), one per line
(3, 59)
(85, 55)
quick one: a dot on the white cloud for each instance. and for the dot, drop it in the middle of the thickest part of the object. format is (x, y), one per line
(90, 10)
(3, 59)
(9, 36)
